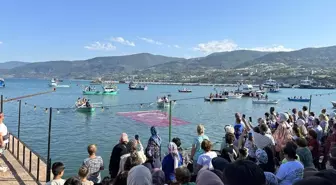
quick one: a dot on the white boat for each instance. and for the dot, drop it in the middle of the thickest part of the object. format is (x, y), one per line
(234, 96)
(53, 83)
(333, 103)
(270, 83)
(264, 101)
(244, 89)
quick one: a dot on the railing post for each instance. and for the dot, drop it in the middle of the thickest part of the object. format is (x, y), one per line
(310, 100)
(49, 137)
(170, 119)
(19, 119)
(1, 103)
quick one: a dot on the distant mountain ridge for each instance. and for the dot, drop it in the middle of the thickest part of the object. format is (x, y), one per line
(145, 63)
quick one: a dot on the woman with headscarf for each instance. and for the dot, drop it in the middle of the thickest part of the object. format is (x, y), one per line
(153, 149)
(139, 175)
(171, 161)
(282, 134)
(206, 177)
(118, 150)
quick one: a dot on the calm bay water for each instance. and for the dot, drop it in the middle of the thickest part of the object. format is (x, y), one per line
(73, 131)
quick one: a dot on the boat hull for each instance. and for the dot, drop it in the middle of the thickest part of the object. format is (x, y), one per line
(265, 101)
(99, 93)
(333, 103)
(138, 88)
(298, 100)
(184, 91)
(162, 105)
(86, 109)
(215, 99)
(314, 87)
(234, 96)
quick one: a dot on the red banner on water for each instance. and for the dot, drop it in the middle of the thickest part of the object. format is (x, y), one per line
(152, 118)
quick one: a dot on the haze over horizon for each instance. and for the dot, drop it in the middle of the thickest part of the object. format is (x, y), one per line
(74, 30)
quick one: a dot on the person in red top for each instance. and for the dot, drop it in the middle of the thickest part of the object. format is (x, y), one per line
(331, 140)
(314, 146)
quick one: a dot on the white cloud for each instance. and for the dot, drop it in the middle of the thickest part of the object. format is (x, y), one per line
(216, 46)
(101, 46)
(227, 45)
(177, 46)
(151, 41)
(274, 48)
(122, 41)
(1, 42)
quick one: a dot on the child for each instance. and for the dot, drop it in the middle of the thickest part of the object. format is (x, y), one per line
(83, 173)
(58, 171)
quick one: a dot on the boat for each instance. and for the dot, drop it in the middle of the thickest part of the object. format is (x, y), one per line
(53, 83)
(85, 109)
(133, 86)
(184, 90)
(284, 85)
(299, 99)
(106, 90)
(245, 89)
(274, 90)
(2, 82)
(309, 84)
(265, 101)
(270, 83)
(333, 103)
(214, 99)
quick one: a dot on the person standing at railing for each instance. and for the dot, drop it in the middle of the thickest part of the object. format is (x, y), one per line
(4, 136)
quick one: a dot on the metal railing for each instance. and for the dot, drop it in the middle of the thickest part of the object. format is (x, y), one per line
(31, 161)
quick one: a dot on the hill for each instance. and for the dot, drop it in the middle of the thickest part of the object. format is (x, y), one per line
(307, 57)
(91, 68)
(12, 64)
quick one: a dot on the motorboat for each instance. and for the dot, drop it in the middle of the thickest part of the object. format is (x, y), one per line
(184, 90)
(309, 84)
(270, 83)
(2, 82)
(265, 101)
(245, 89)
(234, 96)
(274, 90)
(163, 102)
(299, 99)
(133, 86)
(215, 99)
(53, 83)
(108, 89)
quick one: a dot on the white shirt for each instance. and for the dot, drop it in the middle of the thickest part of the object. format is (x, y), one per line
(290, 172)
(3, 131)
(206, 158)
(261, 141)
(56, 182)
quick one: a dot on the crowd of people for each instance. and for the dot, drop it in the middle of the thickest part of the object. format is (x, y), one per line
(286, 148)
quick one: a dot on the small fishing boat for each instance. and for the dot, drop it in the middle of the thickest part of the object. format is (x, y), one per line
(85, 109)
(133, 86)
(265, 101)
(83, 106)
(214, 99)
(2, 82)
(54, 83)
(163, 102)
(333, 103)
(274, 90)
(299, 99)
(107, 90)
(184, 90)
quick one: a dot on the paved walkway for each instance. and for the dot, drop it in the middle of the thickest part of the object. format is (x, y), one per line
(16, 174)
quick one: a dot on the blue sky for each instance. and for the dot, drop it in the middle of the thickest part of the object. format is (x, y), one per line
(41, 30)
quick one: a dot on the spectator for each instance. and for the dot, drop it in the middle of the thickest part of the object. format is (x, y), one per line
(263, 139)
(121, 179)
(131, 161)
(251, 146)
(305, 113)
(328, 144)
(151, 163)
(118, 150)
(329, 174)
(318, 129)
(4, 136)
(292, 170)
(207, 156)
(244, 172)
(304, 153)
(73, 181)
(281, 136)
(238, 126)
(219, 163)
(314, 146)
(158, 177)
(94, 164)
(324, 124)
(139, 175)
(171, 161)
(230, 153)
(206, 177)
(183, 176)
(132, 149)
(184, 154)
(153, 149)
(58, 171)
(295, 114)
(106, 181)
(313, 180)
(83, 173)
(196, 149)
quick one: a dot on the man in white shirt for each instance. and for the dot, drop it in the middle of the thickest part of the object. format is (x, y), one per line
(3, 134)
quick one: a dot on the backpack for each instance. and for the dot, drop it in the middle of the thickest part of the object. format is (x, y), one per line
(152, 150)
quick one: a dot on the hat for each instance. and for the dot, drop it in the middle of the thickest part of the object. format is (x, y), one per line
(261, 156)
(300, 122)
(283, 117)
